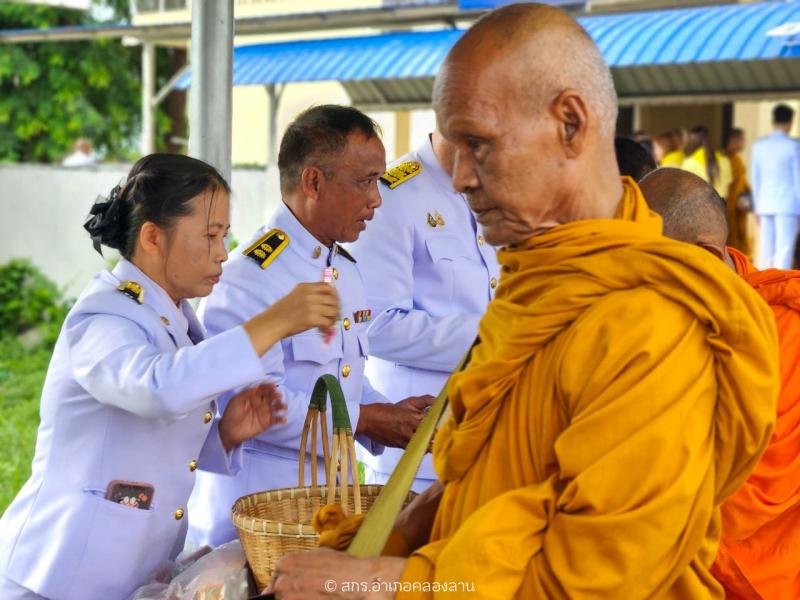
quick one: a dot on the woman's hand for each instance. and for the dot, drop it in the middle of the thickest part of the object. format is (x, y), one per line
(250, 412)
(307, 306)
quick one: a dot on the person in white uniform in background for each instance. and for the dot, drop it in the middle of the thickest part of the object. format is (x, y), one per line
(775, 180)
(129, 402)
(429, 275)
(330, 160)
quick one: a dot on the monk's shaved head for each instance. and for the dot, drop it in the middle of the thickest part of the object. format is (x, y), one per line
(530, 106)
(691, 209)
(551, 53)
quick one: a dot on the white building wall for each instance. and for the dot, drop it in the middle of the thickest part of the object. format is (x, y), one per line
(44, 208)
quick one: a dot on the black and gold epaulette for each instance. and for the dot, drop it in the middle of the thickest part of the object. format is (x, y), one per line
(267, 248)
(400, 173)
(345, 253)
(132, 290)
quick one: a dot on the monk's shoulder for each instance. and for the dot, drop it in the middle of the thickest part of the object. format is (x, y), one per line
(631, 335)
(638, 321)
(642, 308)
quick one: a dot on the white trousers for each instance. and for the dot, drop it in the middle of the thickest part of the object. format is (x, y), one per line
(377, 478)
(777, 236)
(10, 590)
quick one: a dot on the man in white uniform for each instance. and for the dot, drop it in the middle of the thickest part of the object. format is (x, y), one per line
(429, 275)
(330, 160)
(775, 179)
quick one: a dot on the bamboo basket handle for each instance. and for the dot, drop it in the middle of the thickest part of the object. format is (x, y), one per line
(316, 419)
(336, 462)
(343, 448)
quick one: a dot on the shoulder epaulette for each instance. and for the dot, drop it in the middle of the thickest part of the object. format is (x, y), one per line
(267, 248)
(132, 290)
(345, 253)
(400, 173)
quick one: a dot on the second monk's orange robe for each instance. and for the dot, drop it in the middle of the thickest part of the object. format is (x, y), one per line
(759, 555)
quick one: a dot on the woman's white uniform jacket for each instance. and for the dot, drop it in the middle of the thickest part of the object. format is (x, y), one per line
(128, 396)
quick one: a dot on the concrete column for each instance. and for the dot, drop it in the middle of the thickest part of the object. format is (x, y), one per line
(210, 98)
(148, 92)
(274, 92)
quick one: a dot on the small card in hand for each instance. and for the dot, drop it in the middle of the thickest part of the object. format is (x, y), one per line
(131, 494)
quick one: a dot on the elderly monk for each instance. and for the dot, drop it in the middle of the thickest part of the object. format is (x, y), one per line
(623, 384)
(759, 555)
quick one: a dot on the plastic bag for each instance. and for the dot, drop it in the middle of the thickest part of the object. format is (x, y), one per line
(218, 575)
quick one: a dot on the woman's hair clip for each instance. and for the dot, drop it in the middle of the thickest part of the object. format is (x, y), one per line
(103, 220)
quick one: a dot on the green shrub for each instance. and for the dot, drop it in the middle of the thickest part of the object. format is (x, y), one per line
(22, 372)
(29, 301)
(32, 309)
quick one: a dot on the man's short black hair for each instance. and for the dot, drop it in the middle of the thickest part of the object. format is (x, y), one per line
(782, 114)
(633, 159)
(316, 136)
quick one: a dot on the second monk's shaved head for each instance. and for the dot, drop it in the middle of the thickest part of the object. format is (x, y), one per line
(691, 209)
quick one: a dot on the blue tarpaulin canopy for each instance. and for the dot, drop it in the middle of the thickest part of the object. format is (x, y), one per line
(737, 48)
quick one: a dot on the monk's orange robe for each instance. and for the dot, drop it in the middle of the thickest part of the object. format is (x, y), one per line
(737, 220)
(759, 554)
(623, 386)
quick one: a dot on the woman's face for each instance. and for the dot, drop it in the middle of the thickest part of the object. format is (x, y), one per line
(197, 246)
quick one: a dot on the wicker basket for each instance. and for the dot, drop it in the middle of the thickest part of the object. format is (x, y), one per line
(273, 523)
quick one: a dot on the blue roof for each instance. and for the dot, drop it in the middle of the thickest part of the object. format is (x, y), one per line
(386, 56)
(736, 32)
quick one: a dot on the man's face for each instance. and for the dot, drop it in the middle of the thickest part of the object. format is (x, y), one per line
(508, 160)
(349, 197)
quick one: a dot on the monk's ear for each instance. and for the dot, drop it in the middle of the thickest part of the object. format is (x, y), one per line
(569, 111)
(713, 248)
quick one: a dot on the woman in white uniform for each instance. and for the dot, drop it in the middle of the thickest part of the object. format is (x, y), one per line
(128, 409)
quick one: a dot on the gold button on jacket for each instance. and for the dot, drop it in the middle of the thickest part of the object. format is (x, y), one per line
(193, 465)
(345, 370)
(207, 418)
(179, 514)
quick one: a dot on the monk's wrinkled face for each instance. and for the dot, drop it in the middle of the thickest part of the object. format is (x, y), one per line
(508, 161)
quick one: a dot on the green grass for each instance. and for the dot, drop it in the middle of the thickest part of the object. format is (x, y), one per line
(22, 374)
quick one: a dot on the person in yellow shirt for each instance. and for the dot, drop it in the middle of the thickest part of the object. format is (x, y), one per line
(701, 159)
(623, 384)
(668, 148)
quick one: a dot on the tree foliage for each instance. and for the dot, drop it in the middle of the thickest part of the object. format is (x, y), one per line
(52, 93)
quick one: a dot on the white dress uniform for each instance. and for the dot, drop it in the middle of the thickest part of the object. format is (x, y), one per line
(267, 269)
(128, 396)
(775, 180)
(430, 276)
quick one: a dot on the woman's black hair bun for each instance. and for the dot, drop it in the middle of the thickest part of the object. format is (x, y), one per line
(107, 221)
